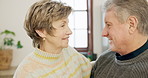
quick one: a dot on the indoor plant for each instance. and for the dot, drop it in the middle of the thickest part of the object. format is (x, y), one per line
(6, 43)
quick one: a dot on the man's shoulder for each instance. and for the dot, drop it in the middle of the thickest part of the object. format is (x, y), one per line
(107, 53)
(102, 61)
(106, 56)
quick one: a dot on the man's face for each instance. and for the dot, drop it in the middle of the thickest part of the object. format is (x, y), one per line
(116, 32)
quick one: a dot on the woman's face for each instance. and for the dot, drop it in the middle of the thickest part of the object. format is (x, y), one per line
(61, 34)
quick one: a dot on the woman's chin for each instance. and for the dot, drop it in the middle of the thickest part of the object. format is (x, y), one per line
(65, 46)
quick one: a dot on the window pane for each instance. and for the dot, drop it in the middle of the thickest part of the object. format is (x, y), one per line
(80, 20)
(80, 4)
(71, 21)
(81, 38)
(71, 39)
(68, 2)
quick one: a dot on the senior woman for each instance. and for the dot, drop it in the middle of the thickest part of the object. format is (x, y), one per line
(47, 25)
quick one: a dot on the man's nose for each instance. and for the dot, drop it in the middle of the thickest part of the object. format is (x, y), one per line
(105, 32)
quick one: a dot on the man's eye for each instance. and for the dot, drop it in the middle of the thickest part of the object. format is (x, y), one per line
(108, 25)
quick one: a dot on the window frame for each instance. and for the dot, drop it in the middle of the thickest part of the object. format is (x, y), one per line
(90, 28)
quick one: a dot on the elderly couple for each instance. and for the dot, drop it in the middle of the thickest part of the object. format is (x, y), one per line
(126, 27)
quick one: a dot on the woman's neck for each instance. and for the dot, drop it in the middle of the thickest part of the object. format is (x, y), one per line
(50, 49)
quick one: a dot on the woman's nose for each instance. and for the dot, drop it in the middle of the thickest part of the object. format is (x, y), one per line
(69, 32)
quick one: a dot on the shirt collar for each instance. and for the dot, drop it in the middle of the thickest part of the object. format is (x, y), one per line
(133, 54)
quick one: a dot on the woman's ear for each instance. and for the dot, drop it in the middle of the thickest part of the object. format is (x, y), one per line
(41, 33)
(133, 23)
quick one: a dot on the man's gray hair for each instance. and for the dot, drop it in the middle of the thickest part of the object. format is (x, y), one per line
(125, 8)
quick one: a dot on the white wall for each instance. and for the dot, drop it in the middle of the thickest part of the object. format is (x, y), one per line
(97, 25)
(12, 14)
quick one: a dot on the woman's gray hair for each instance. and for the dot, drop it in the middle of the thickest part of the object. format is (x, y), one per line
(125, 8)
(41, 16)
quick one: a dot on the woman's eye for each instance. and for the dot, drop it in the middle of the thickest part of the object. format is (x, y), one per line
(62, 25)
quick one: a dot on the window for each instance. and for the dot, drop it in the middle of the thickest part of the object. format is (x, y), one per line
(80, 22)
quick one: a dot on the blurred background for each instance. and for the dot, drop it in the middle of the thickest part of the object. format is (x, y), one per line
(86, 23)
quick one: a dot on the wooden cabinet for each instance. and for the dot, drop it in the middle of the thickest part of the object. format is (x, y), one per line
(7, 73)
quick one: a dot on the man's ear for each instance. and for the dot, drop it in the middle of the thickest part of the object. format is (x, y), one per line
(41, 33)
(133, 23)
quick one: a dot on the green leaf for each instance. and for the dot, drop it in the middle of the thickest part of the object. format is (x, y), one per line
(19, 45)
(8, 41)
(8, 32)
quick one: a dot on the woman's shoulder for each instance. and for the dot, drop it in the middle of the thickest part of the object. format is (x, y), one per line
(70, 50)
(73, 52)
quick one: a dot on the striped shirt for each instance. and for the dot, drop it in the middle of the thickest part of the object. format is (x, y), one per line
(68, 64)
(132, 65)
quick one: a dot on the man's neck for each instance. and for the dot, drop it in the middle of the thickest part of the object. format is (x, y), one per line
(134, 44)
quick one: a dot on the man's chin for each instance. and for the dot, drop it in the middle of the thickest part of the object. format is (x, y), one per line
(112, 48)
